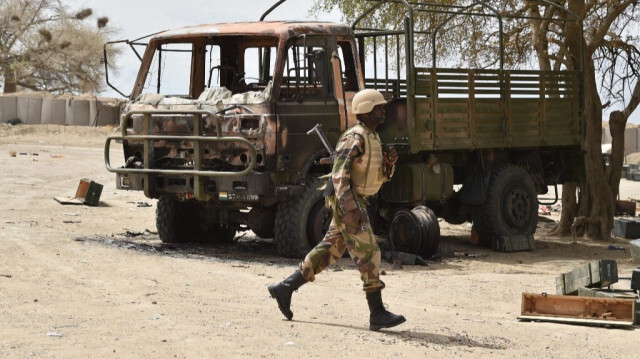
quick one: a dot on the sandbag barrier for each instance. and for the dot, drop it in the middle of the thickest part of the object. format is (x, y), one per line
(71, 111)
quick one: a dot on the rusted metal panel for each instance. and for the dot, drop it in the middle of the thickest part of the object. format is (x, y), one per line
(282, 29)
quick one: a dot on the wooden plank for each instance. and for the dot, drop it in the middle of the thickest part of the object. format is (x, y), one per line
(575, 321)
(607, 310)
(601, 273)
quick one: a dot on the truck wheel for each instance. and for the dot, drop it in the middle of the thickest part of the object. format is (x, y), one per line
(430, 231)
(511, 206)
(301, 222)
(172, 220)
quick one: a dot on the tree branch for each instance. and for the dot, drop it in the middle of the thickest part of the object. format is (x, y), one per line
(602, 31)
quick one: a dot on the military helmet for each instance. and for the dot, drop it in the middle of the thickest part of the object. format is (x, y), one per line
(365, 100)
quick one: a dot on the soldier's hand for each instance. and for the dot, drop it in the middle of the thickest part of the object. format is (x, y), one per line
(390, 156)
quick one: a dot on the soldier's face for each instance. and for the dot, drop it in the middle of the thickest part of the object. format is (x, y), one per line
(377, 114)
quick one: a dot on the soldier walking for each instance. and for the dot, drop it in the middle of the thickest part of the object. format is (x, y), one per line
(359, 170)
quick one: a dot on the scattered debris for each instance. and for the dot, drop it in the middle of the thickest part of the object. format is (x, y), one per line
(587, 302)
(136, 234)
(626, 228)
(635, 280)
(12, 153)
(88, 193)
(635, 251)
(70, 221)
(15, 121)
(543, 210)
(611, 247)
(599, 274)
(404, 258)
(54, 334)
(143, 204)
(515, 243)
(469, 255)
(625, 208)
(5, 275)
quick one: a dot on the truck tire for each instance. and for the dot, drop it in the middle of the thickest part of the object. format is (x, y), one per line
(301, 222)
(405, 233)
(430, 231)
(511, 206)
(173, 220)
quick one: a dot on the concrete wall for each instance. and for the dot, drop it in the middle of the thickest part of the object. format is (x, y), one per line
(30, 110)
(75, 111)
(8, 108)
(54, 111)
(631, 139)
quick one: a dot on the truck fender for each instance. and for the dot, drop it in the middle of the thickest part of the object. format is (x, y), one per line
(312, 168)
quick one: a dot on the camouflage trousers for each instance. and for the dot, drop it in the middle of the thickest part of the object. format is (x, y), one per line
(362, 247)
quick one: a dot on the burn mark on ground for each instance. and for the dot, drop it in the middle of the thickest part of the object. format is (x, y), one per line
(244, 248)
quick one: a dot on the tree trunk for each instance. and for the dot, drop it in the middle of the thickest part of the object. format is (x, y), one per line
(10, 81)
(569, 210)
(617, 124)
(598, 206)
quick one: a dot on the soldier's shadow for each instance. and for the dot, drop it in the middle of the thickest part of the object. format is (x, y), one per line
(414, 336)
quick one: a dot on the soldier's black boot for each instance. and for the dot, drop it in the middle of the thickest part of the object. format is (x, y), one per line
(283, 291)
(380, 317)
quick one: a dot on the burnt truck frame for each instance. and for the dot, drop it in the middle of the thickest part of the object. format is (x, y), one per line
(474, 144)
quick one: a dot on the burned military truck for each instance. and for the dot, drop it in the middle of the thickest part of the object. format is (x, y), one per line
(218, 129)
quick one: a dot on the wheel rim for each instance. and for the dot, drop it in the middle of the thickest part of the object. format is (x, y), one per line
(517, 207)
(405, 233)
(318, 224)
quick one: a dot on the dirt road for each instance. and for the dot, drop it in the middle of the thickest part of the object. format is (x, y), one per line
(85, 282)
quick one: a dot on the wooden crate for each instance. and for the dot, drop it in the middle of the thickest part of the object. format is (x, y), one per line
(600, 274)
(89, 192)
(578, 310)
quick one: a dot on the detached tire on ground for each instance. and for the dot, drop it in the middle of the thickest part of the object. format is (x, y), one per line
(301, 222)
(404, 232)
(430, 231)
(511, 206)
(416, 231)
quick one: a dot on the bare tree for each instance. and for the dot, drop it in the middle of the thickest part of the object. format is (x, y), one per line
(44, 47)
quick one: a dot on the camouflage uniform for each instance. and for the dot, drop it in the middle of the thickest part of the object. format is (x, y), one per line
(358, 171)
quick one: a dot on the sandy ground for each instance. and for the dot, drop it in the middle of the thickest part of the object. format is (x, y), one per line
(84, 282)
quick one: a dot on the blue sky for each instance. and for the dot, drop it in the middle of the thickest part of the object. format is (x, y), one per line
(136, 18)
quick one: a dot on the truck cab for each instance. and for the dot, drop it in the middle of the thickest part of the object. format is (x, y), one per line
(216, 126)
